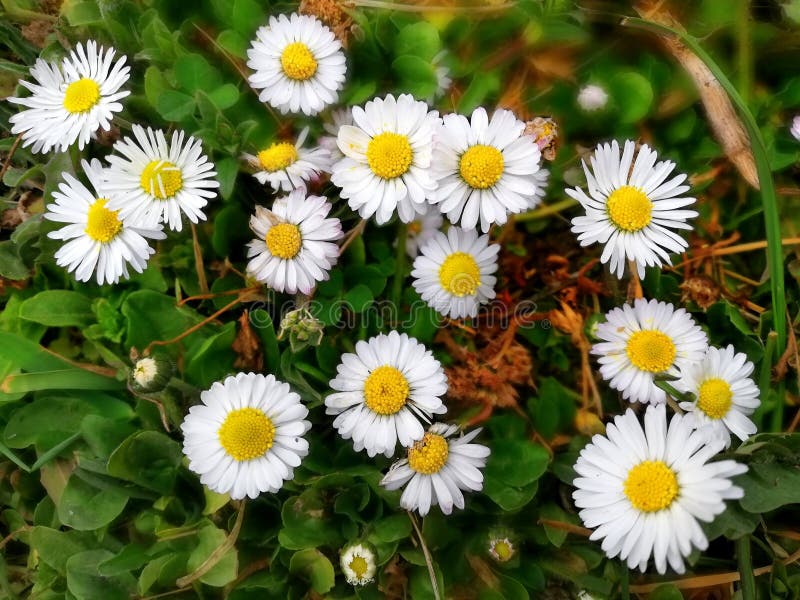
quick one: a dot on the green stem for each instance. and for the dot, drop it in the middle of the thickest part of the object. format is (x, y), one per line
(545, 211)
(748, 587)
(776, 423)
(623, 584)
(765, 377)
(670, 389)
(399, 266)
(744, 52)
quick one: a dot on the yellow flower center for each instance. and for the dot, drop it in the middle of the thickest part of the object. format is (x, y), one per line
(386, 390)
(651, 350)
(81, 95)
(298, 62)
(481, 166)
(359, 566)
(651, 486)
(162, 179)
(102, 224)
(629, 208)
(283, 240)
(502, 550)
(277, 157)
(428, 455)
(715, 398)
(247, 433)
(389, 155)
(460, 275)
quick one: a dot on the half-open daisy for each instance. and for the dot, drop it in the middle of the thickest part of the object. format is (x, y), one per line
(643, 490)
(155, 180)
(453, 272)
(631, 208)
(384, 390)
(296, 245)
(71, 102)
(97, 239)
(358, 563)
(286, 166)
(725, 395)
(437, 468)
(298, 62)
(485, 169)
(246, 436)
(387, 158)
(422, 229)
(645, 340)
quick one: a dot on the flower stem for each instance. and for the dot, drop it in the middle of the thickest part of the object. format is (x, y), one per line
(545, 211)
(748, 587)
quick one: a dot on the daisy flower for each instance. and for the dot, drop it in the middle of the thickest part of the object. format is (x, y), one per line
(245, 437)
(422, 229)
(725, 395)
(296, 245)
(339, 117)
(631, 208)
(97, 239)
(71, 102)
(384, 390)
(643, 490)
(387, 158)
(795, 129)
(485, 169)
(453, 272)
(443, 79)
(542, 180)
(286, 166)
(592, 97)
(502, 548)
(298, 62)
(358, 564)
(644, 340)
(437, 468)
(155, 181)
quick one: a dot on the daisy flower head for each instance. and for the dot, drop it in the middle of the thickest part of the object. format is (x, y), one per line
(286, 166)
(383, 391)
(485, 169)
(443, 79)
(98, 240)
(358, 563)
(795, 128)
(632, 208)
(438, 467)
(642, 341)
(644, 489)
(502, 547)
(387, 155)
(298, 64)
(296, 245)
(423, 228)
(69, 103)
(155, 181)
(454, 272)
(725, 394)
(246, 436)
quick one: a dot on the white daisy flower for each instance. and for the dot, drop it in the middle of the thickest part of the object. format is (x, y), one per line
(795, 129)
(71, 102)
(298, 62)
(422, 229)
(542, 180)
(443, 79)
(725, 394)
(387, 158)
(246, 436)
(98, 239)
(296, 246)
(358, 564)
(643, 490)
(631, 208)
(384, 390)
(485, 169)
(437, 468)
(453, 272)
(339, 117)
(286, 166)
(645, 340)
(592, 97)
(502, 549)
(155, 181)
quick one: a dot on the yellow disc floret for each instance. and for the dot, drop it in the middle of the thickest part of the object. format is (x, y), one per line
(429, 455)
(298, 62)
(102, 224)
(651, 486)
(389, 155)
(481, 166)
(283, 240)
(460, 275)
(629, 208)
(358, 566)
(277, 157)
(715, 398)
(161, 179)
(651, 350)
(80, 96)
(247, 433)
(386, 390)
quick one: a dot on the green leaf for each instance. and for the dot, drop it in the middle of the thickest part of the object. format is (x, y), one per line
(417, 76)
(155, 84)
(212, 358)
(265, 329)
(63, 379)
(233, 42)
(193, 72)
(175, 106)
(305, 524)
(209, 538)
(247, 17)
(82, 13)
(56, 547)
(769, 486)
(58, 308)
(516, 462)
(227, 172)
(478, 90)
(632, 94)
(85, 582)
(231, 230)
(507, 497)
(11, 265)
(393, 528)
(359, 298)
(418, 39)
(665, 592)
(153, 316)
(147, 458)
(314, 565)
(85, 508)
(224, 96)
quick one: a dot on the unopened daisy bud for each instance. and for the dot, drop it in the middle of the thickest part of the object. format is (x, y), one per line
(545, 131)
(795, 129)
(358, 563)
(303, 329)
(151, 374)
(591, 326)
(502, 546)
(592, 97)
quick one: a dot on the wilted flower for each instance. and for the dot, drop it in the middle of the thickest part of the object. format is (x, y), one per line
(545, 131)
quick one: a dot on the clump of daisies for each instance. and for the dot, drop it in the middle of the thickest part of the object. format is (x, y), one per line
(358, 563)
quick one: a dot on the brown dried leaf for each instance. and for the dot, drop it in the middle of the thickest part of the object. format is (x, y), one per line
(247, 347)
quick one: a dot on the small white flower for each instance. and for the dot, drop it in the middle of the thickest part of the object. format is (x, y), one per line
(502, 549)
(296, 246)
(358, 564)
(145, 371)
(339, 117)
(592, 97)
(71, 102)
(631, 208)
(155, 181)
(725, 395)
(384, 390)
(437, 469)
(795, 129)
(247, 435)
(286, 166)
(387, 158)
(443, 79)
(645, 340)
(643, 490)
(454, 272)
(298, 62)
(423, 229)
(97, 238)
